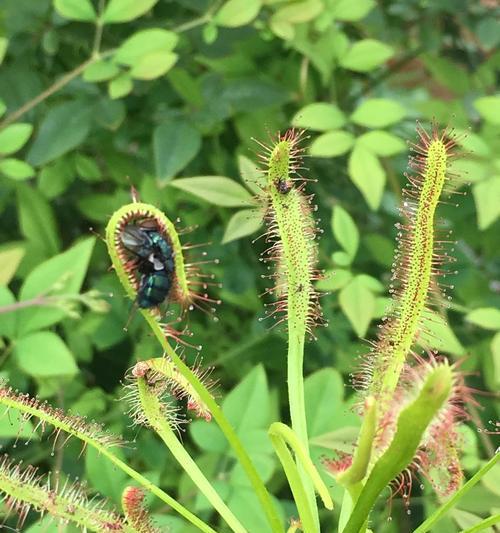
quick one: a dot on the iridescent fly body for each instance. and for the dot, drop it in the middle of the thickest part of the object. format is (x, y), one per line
(155, 263)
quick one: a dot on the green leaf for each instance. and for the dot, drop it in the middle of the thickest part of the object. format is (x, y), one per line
(325, 412)
(11, 255)
(216, 190)
(3, 107)
(236, 13)
(15, 426)
(380, 247)
(299, 12)
(331, 144)
(16, 169)
(382, 143)
(495, 352)
(358, 304)
(60, 275)
(44, 354)
(341, 258)
(345, 230)
(367, 174)
(472, 142)
(100, 71)
(241, 224)
(448, 73)
(210, 33)
(64, 127)
(486, 197)
(76, 9)
(251, 174)
(37, 220)
(109, 113)
(87, 168)
(55, 178)
(247, 508)
(7, 320)
(319, 116)
(14, 137)
(247, 407)
(371, 283)
(153, 65)
(126, 10)
(96, 207)
(120, 86)
(4, 43)
(485, 317)
(436, 333)
(365, 55)
(334, 280)
(378, 113)
(143, 43)
(489, 108)
(175, 144)
(466, 520)
(351, 11)
(282, 28)
(104, 476)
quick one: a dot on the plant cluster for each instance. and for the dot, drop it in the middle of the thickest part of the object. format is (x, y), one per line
(100, 97)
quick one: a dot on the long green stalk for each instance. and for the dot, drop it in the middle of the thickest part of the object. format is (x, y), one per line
(112, 240)
(152, 408)
(487, 522)
(292, 231)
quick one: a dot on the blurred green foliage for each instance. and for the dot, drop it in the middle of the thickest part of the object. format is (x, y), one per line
(168, 95)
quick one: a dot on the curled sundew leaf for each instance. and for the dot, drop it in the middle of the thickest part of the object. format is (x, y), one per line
(135, 511)
(186, 279)
(187, 284)
(412, 423)
(164, 375)
(162, 418)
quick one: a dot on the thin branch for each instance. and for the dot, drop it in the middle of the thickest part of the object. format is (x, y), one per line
(62, 82)
(98, 29)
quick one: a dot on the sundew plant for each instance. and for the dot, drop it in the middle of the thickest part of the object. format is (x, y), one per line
(312, 362)
(411, 402)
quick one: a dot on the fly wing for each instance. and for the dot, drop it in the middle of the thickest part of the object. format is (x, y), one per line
(136, 240)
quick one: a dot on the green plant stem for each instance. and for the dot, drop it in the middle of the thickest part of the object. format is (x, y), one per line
(190, 376)
(99, 25)
(361, 459)
(296, 398)
(487, 522)
(61, 425)
(449, 504)
(156, 418)
(353, 476)
(224, 424)
(189, 25)
(293, 227)
(287, 435)
(157, 491)
(295, 481)
(59, 84)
